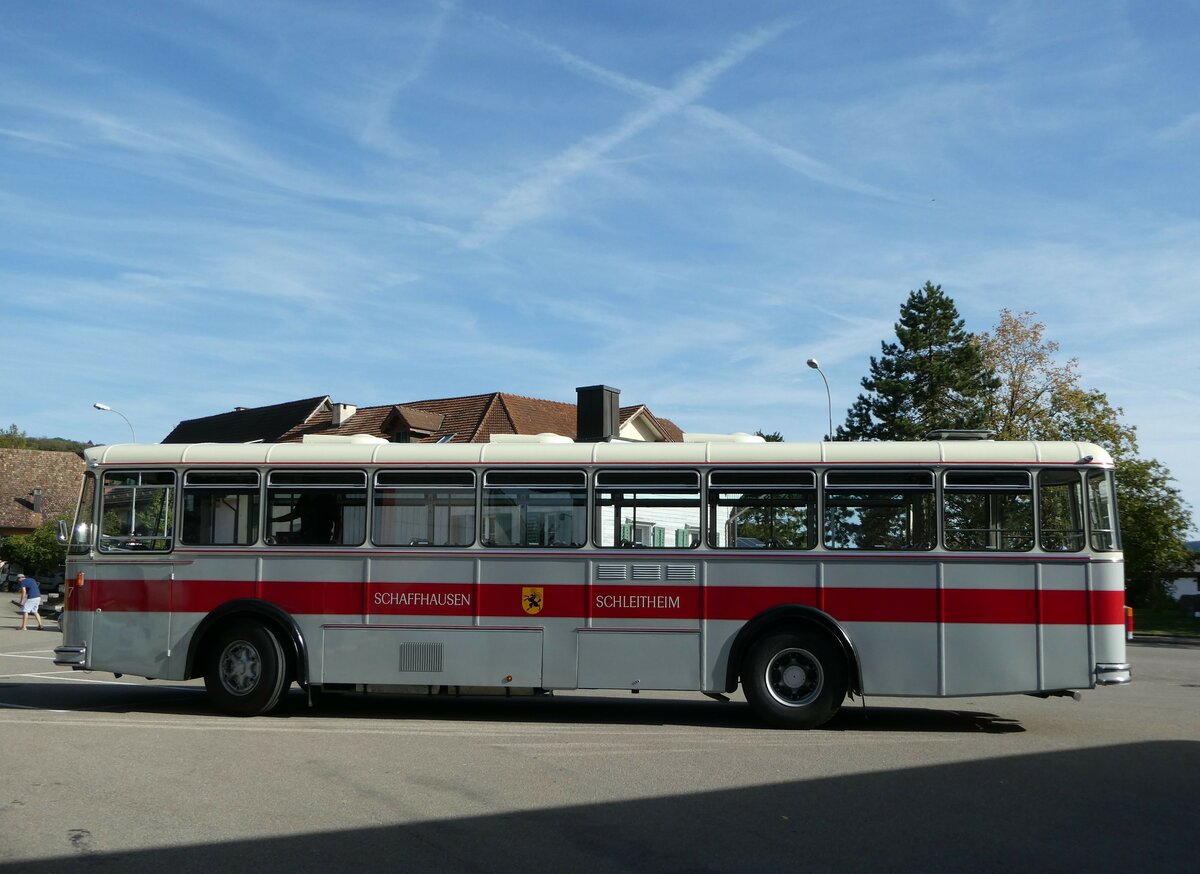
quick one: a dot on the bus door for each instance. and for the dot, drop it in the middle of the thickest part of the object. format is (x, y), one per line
(314, 518)
(642, 629)
(128, 591)
(532, 582)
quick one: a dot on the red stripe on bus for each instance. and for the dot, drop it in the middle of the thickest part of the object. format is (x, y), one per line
(604, 601)
(163, 596)
(307, 598)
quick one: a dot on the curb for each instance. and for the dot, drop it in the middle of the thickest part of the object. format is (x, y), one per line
(1164, 640)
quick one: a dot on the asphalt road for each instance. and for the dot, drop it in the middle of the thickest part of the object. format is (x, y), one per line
(102, 774)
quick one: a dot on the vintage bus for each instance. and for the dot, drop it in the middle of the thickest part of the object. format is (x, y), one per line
(803, 572)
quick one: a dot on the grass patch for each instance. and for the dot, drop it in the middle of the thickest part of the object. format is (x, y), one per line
(1164, 623)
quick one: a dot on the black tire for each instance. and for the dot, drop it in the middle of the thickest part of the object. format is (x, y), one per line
(795, 679)
(245, 672)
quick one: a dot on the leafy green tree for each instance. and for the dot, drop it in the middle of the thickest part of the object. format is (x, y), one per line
(1040, 399)
(933, 377)
(1029, 378)
(13, 438)
(38, 552)
(1086, 414)
(1037, 398)
(1154, 525)
(57, 444)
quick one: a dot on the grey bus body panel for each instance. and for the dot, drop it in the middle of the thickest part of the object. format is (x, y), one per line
(552, 651)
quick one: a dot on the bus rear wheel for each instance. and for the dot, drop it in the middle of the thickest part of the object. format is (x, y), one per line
(795, 679)
(246, 671)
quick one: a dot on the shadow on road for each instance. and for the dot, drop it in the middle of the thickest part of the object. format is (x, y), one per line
(1122, 808)
(547, 709)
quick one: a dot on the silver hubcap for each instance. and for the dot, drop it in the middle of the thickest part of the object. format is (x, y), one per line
(240, 668)
(794, 677)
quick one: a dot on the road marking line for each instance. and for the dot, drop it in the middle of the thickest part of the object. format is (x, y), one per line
(59, 675)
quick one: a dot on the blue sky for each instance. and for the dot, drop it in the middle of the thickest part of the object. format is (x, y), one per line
(215, 204)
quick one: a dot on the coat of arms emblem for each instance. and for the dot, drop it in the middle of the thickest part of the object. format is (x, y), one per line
(532, 599)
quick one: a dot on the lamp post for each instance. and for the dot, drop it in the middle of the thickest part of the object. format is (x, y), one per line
(106, 408)
(812, 362)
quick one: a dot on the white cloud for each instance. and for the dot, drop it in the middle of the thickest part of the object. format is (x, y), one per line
(531, 198)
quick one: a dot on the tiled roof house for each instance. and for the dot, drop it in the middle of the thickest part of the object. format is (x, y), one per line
(36, 486)
(469, 419)
(248, 424)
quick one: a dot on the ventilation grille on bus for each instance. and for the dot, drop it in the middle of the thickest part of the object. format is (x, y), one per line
(645, 572)
(421, 657)
(681, 572)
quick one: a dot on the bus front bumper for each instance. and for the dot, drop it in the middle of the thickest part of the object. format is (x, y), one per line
(71, 656)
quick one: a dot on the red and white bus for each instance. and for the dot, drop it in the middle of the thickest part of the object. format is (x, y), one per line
(804, 572)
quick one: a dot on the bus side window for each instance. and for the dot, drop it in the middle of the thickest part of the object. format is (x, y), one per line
(637, 509)
(317, 507)
(762, 509)
(887, 509)
(534, 508)
(220, 508)
(424, 508)
(987, 510)
(80, 542)
(137, 511)
(1060, 510)
(1102, 514)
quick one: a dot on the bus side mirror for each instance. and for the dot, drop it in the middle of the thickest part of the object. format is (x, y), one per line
(63, 537)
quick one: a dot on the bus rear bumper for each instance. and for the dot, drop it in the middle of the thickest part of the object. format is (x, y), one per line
(71, 656)
(1113, 674)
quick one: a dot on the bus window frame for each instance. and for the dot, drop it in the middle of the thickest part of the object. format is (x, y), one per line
(770, 483)
(132, 542)
(864, 485)
(657, 484)
(532, 479)
(948, 487)
(83, 530)
(423, 482)
(1077, 500)
(1114, 530)
(292, 537)
(231, 487)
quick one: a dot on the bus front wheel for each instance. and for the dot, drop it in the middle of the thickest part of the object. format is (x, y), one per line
(246, 670)
(795, 679)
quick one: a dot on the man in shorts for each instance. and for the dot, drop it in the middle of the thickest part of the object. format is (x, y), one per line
(31, 599)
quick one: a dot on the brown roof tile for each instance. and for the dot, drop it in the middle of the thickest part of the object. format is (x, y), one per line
(255, 424)
(57, 474)
(466, 419)
(413, 419)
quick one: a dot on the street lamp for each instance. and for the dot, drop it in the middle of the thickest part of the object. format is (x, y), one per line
(812, 362)
(106, 408)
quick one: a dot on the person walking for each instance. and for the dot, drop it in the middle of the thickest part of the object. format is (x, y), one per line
(31, 599)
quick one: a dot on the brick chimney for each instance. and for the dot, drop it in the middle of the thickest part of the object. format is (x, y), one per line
(597, 413)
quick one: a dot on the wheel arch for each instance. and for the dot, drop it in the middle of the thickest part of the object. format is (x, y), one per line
(275, 619)
(791, 616)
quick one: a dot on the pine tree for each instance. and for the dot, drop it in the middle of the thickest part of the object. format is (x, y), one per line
(933, 377)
